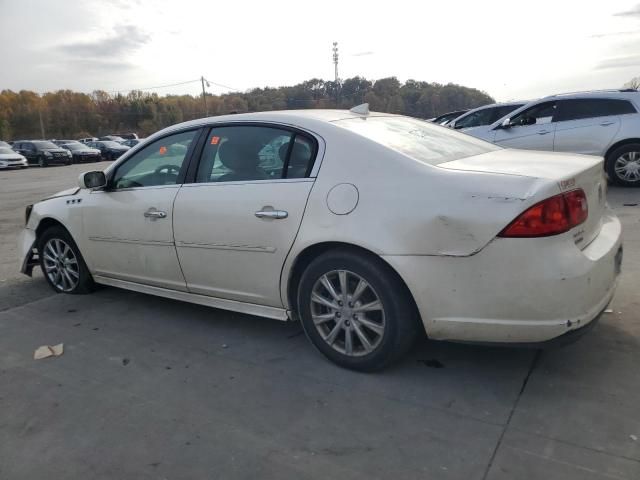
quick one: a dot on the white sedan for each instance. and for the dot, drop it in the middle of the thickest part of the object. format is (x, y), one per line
(371, 229)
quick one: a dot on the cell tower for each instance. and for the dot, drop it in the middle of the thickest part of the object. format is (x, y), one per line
(335, 59)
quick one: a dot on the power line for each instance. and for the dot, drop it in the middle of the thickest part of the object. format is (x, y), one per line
(155, 87)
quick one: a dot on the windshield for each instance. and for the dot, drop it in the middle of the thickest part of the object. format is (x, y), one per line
(75, 146)
(5, 151)
(417, 139)
(45, 145)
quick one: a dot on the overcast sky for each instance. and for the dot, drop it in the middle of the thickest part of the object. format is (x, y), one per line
(510, 49)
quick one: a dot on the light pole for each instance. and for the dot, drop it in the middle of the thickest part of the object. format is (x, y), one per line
(204, 96)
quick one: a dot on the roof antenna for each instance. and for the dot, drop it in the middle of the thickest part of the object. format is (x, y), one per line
(361, 109)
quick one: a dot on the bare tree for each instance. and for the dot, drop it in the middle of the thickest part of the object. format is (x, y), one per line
(633, 83)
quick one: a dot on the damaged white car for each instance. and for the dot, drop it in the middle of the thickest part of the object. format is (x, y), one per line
(372, 229)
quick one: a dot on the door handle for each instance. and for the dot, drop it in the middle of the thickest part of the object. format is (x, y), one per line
(152, 213)
(275, 214)
(543, 132)
(606, 124)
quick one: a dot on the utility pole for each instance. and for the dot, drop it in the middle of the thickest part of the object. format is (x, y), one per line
(41, 124)
(335, 64)
(204, 96)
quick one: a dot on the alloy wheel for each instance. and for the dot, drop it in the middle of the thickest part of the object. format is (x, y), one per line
(61, 265)
(627, 167)
(347, 313)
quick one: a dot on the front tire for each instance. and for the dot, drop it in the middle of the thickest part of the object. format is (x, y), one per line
(62, 264)
(356, 310)
(623, 165)
(42, 161)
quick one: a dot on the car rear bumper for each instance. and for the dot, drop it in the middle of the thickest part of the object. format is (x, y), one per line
(516, 290)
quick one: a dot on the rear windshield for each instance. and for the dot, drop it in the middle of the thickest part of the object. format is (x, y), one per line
(418, 139)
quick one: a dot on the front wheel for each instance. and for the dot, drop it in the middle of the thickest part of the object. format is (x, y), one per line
(623, 165)
(42, 162)
(62, 264)
(356, 311)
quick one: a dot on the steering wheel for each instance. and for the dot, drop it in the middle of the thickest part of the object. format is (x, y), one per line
(169, 168)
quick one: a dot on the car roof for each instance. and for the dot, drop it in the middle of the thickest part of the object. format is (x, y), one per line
(624, 94)
(302, 118)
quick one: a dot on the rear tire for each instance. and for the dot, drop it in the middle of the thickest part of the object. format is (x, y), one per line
(623, 165)
(365, 318)
(62, 264)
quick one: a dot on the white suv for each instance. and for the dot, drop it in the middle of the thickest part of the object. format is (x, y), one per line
(604, 123)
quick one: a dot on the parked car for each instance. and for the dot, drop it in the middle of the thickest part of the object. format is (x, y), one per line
(370, 228)
(88, 139)
(112, 138)
(42, 152)
(132, 142)
(604, 123)
(11, 159)
(5, 144)
(126, 136)
(110, 150)
(83, 153)
(63, 142)
(485, 115)
(445, 118)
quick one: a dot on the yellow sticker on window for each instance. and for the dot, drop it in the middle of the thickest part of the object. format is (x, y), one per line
(215, 140)
(163, 150)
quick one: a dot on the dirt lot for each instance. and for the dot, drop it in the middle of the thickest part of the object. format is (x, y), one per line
(153, 388)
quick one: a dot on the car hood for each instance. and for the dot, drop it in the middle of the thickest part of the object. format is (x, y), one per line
(10, 156)
(63, 193)
(86, 150)
(54, 150)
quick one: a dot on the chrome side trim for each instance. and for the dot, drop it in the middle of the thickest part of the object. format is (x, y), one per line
(216, 246)
(130, 240)
(235, 306)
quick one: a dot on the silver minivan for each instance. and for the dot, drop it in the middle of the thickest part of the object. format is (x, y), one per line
(604, 123)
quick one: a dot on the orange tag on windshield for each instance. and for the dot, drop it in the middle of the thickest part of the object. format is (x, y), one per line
(215, 140)
(163, 150)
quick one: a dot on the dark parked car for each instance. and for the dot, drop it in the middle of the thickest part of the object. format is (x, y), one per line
(110, 150)
(132, 142)
(42, 152)
(111, 138)
(447, 117)
(64, 142)
(83, 153)
(126, 136)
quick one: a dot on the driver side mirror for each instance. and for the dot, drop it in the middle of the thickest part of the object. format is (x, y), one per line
(92, 180)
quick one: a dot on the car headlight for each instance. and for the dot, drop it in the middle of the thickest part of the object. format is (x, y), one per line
(47, 154)
(68, 153)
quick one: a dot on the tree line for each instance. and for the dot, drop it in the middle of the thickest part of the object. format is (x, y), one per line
(69, 114)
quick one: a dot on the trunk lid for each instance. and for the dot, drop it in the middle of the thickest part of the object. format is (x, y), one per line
(567, 171)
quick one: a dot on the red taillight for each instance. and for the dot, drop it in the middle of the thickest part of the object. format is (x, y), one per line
(552, 216)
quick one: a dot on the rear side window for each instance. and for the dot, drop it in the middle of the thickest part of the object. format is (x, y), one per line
(417, 139)
(580, 108)
(247, 153)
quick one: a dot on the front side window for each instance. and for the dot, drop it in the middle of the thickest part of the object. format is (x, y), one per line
(580, 108)
(247, 153)
(476, 119)
(537, 115)
(504, 111)
(159, 163)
